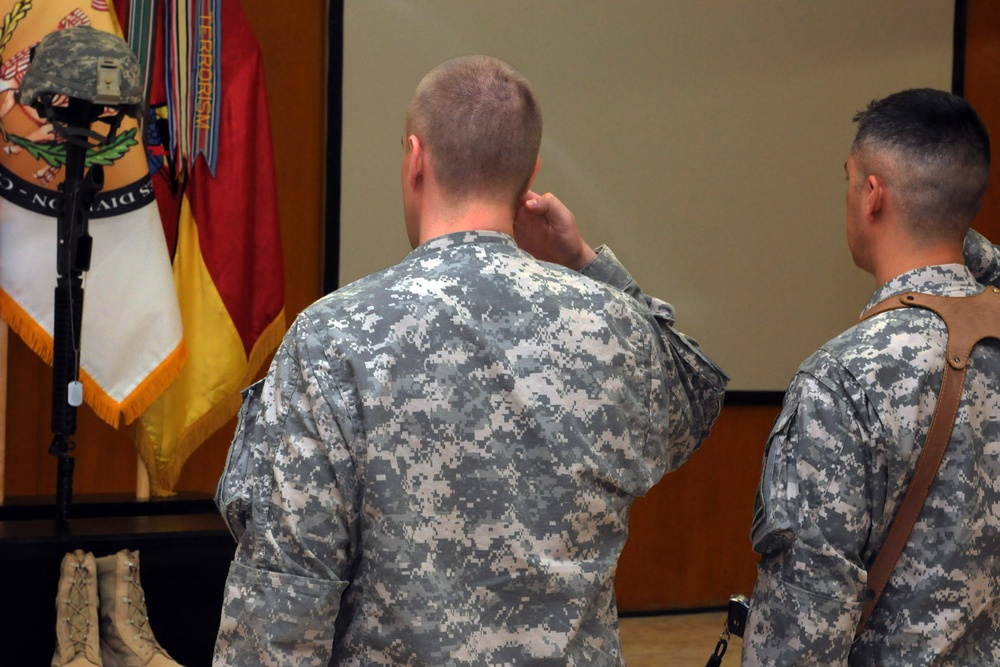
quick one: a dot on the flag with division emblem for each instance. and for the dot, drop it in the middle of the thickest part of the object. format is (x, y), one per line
(131, 338)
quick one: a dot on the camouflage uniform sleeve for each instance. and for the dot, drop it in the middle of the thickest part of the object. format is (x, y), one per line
(982, 258)
(233, 493)
(291, 565)
(692, 384)
(810, 527)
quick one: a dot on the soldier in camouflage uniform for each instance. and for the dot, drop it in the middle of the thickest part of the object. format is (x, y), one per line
(844, 447)
(438, 467)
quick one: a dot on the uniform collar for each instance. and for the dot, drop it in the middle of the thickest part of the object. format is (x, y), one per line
(456, 239)
(941, 279)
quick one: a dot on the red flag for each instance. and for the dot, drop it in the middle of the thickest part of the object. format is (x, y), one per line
(227, 251)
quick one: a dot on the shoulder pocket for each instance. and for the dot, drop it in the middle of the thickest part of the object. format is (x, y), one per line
(233, 493)
(778, 489)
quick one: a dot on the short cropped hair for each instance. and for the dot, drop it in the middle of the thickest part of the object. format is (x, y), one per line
(482, 127)
(933, 149)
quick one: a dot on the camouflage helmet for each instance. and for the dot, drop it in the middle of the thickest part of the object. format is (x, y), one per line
(84, 63)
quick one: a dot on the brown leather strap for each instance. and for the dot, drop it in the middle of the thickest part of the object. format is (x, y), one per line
(969, 320)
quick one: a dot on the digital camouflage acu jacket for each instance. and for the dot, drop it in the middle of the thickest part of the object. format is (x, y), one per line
(838, 461)
(438, 467)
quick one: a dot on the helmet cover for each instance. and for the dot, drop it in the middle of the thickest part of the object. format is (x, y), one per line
(83, 63)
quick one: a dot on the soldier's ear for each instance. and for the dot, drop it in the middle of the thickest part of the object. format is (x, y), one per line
(414, 158)
(874, 193)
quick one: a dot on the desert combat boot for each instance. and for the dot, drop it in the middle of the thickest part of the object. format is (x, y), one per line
(77, 640)
(126, 638)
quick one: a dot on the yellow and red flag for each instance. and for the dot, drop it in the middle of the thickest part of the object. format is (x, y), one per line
(131, 339)
(209, 128)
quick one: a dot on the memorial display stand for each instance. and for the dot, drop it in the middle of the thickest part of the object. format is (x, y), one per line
(185, 548)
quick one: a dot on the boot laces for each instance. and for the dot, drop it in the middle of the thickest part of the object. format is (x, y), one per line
(135, 601)
(78, 603)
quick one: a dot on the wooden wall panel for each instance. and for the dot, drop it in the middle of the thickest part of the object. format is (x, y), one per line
(982, 81)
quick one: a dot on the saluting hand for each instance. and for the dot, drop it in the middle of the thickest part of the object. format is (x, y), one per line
(547, 230)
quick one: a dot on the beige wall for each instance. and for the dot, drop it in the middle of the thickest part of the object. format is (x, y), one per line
(704, 142)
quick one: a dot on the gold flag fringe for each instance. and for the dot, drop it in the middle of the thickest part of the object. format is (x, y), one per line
(104, 406)
(26, 328)
(155, 384)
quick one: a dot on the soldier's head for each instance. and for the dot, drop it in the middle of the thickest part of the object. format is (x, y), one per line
(932, 151)
(481, 126)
